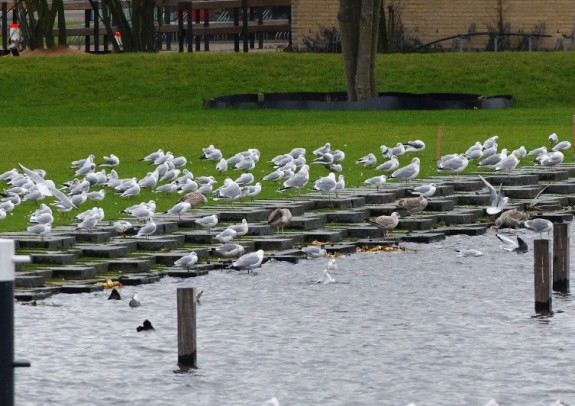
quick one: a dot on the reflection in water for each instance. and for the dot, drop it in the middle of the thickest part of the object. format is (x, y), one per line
(421, 326)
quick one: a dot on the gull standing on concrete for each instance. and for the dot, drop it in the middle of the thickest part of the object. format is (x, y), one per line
(539, 225)
(208, 222)
(40, 229)
(147, 230)
(376, 181)
(187, 261)
(413, 204)
(249, 261)
(325, 184)
(388, 166)
(179, 209)
(240, 229)
(230, 250)
(407, 172)
(424, 190)
(387, 223)
(225, 235)
(122, 227)
(280, 218)
(298, 180)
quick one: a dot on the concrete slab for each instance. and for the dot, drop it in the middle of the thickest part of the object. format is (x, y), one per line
(175, 273)
(307, 222)
(138, 279)
(103, 251)
(22, 280)
(51, 258)
(157, 244)
(425, 238)
(130, 265)
(338, 203)
(95, 236)
(347, 216)
(73, 272)
(325, 235)
(73, 289)
(440, 204)
(29, 295)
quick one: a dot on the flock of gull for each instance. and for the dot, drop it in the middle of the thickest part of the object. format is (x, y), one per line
(290, 171)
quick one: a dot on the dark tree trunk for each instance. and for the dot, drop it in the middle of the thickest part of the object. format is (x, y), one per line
(359, 27)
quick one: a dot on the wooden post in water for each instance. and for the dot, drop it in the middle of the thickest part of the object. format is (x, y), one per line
(187, 351)
(542, 272)
(561, 257)
(438, 145)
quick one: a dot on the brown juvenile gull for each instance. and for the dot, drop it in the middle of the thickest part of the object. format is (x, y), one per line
(387, 223)
(280, 218)
(511, 218)
(194, 199)
(413, 204)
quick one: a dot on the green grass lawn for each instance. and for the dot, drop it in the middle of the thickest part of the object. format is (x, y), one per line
(59, 109)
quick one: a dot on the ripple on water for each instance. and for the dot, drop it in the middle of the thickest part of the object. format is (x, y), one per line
(421, 326)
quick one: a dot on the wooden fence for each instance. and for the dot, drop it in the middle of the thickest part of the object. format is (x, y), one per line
(187, 22)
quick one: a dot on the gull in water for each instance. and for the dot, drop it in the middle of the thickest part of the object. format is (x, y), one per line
(280, 218)
(249, 261)
(413, 204)
(326, 279)
(367, 161)
(539, 225)
(376, 181)
(134, 301)
(509, 245)
(469, 253)
(425, 190)
(147, 230)
(208, 222)
(230, 250)
(387, 223)
(187, 261)
(331, 264)
(498, 199)
(407, 172)
(388, 166)
(312, 251)
(273, 401)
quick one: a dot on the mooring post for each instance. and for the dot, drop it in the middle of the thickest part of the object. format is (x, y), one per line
(542, 273)
(438, 145)
(187, 351)
(7, 363)
(561, 257)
